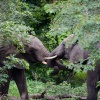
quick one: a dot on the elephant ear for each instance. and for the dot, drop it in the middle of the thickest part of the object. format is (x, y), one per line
(27, 43)
(76, 54)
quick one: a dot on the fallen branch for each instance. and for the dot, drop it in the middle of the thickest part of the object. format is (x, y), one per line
(70, 96)
(38, 96)
(43, 95)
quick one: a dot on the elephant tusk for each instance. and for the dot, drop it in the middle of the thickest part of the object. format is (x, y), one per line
(51, 57)
(45, 63)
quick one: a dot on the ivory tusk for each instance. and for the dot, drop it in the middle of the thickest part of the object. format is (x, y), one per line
(51, 57)
(44, 62)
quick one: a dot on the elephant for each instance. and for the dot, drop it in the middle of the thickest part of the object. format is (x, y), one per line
(34, 52)
(74, 53)
(58, 53)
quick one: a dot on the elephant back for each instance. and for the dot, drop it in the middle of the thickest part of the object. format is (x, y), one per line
(6, 50)
(76, 54)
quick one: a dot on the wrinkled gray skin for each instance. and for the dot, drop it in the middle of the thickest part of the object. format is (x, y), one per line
(35, 52)
(74, 53)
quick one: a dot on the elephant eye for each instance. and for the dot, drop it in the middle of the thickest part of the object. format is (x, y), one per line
(32, 50)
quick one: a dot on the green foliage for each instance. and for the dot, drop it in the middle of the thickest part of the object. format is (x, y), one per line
(98, 84)
(51, 42)
(12, 61)
(81, 18)
(35, 87)
(8, 64)
(21, 17)
(15, 11)
(39, 19)
(12, 25)
(78, 79)
(12, 28)
(3, 75)
(39, 72)
(72, 16)
(13, 90)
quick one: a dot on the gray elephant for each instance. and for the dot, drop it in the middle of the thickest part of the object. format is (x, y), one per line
(74, 53)
(34, 52)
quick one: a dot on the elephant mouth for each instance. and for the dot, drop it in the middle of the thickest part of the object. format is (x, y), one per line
(47, 58)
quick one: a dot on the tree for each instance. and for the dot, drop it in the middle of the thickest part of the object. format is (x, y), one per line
(80, 17)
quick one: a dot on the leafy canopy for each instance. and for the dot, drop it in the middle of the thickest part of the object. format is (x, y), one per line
(12, 26)
(80, 17)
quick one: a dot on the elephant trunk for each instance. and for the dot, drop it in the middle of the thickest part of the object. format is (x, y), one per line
(46, 53)
(43, 52)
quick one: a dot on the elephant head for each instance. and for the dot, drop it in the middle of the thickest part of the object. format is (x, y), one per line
(34, 50)
(73, 53)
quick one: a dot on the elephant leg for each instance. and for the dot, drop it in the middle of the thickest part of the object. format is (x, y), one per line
(20, 79)
(5, 86)
(92, 80)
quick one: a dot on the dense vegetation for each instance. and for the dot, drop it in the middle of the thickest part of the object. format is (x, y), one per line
(51, 21)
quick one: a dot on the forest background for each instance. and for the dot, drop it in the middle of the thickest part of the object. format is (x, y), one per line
(52, 21)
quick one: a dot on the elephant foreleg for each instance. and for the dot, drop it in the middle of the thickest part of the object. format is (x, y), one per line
(20, 79)
(5, 86)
